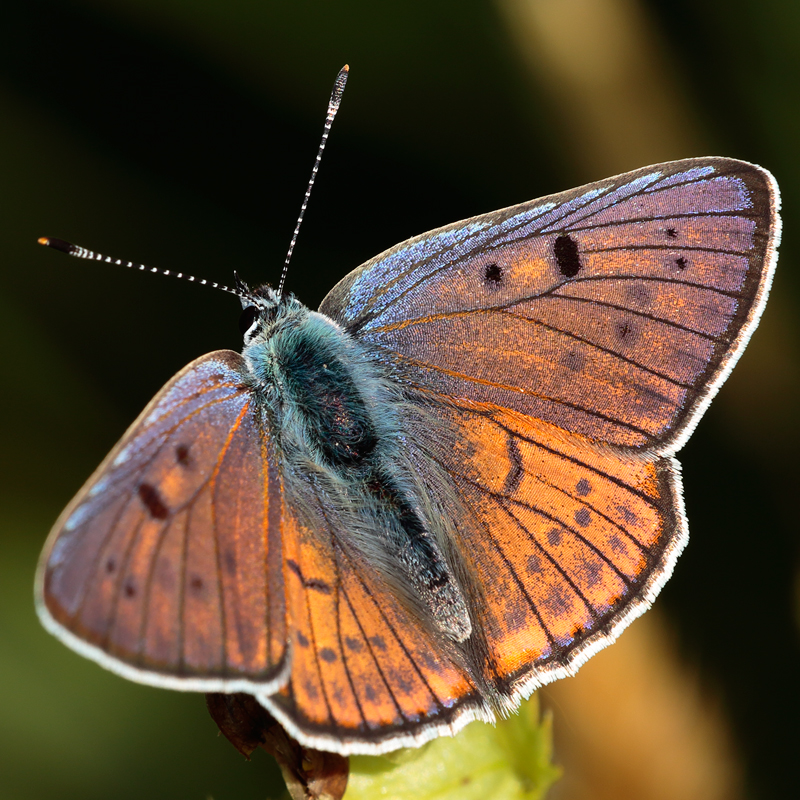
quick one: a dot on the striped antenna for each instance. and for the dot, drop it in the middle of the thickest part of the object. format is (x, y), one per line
(82, 252)
(333, 107)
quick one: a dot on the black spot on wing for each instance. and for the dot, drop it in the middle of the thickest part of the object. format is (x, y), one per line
(534, 564)
(492, 274)
(637, 292)
(514, 476)
(573, 360)
(327, 655)
(294, 567)
(568, 259)
(583, 517)
(182, 455)
(318, 585)
(152, 501)
(557, 601)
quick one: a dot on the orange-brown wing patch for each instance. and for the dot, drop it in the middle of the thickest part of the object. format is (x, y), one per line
(564, 537)
(169, 560)
(363, 668)
(504, 358)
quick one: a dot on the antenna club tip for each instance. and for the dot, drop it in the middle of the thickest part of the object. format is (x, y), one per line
(338, 90)
(57, 244)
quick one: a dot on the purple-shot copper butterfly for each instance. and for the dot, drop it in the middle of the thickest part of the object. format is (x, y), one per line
(453, 483)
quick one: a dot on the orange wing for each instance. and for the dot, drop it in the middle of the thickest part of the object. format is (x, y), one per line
(569, 541)
(366, 676)
(167, 566)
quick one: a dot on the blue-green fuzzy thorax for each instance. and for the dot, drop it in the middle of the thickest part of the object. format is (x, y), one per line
(327, 397)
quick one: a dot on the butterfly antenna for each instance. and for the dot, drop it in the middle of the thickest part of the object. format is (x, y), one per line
(333, 107)
(82, 252)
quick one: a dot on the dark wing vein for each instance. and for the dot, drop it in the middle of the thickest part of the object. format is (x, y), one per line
(398, 639)
(538, 546)
(95, 572)
(182, 593)
(666, 218)
(212, 485)
(503, 310)
(112, 617)
(684, 247)
(316, 655)
(520, 390)
(337, 602)
(148, 590)
(513, 573)
(372, 653)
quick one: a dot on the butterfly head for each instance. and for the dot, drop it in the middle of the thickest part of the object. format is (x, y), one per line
(262, 309)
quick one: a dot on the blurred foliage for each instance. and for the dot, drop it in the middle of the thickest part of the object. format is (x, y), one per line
(182, 134)
(509, 761)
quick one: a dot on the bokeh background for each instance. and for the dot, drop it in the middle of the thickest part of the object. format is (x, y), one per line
(181, 133)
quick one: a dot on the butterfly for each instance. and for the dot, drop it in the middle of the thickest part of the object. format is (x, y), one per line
(453, 483)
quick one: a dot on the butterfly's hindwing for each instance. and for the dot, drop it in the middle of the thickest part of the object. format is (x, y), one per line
(368, 675)
(570, 542)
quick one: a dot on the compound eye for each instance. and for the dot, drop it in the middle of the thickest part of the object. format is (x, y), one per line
(248, 317)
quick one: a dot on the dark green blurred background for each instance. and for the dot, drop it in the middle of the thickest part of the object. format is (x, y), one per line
(182, 133)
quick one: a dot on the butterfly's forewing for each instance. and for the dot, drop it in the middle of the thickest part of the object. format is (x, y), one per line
(167, 566)
(366, 675)
(613, 310)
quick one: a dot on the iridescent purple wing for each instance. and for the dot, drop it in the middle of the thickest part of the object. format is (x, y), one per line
(613, 311)
(167, 567)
